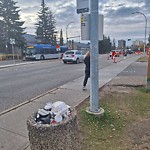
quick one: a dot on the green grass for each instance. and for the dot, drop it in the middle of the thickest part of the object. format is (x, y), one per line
(121, 110)
(143, 59)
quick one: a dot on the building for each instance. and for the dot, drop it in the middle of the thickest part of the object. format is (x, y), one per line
(121, 44)
(138, 43)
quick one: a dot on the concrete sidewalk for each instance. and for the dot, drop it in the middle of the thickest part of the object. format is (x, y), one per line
(13, 129)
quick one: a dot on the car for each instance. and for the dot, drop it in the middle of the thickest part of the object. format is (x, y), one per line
(116, 52)
(74, 56)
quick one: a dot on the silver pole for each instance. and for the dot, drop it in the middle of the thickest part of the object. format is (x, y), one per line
(145, 28)
(94, 86)
(67, 32)
(13, 53)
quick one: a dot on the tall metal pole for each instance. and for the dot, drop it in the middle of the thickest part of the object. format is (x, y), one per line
(94, 86)
(67, 32)
(13, 53)
(145, 28)
(79, 36)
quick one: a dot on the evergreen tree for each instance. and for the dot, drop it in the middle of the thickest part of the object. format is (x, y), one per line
(12, 28)
(61, 38)
(149, 40)
(105, 45)
(45, 27)
(2, 35)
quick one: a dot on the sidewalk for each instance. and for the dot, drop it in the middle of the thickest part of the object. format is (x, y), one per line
(13, 129)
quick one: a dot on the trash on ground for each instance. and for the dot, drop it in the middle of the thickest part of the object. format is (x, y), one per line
(53, 113)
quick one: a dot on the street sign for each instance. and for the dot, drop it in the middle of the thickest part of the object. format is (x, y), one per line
(82, 6)
(85, 26)
(12, 41)
(58, 48)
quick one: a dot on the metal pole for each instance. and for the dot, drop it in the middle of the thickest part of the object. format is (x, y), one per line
(94, 86)
(145, 32)
(13, 53)
(79, 36)
(145, 28)
(67, 33)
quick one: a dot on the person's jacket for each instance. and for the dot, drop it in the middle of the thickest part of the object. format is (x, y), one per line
(87, 64)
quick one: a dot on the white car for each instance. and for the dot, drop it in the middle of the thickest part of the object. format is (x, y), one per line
(74, 56)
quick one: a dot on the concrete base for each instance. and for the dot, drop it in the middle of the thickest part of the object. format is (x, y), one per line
(100, 113)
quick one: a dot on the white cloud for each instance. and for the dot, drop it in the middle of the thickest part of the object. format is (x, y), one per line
(119, 22)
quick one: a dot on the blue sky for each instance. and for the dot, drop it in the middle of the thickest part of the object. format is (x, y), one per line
(119, 22)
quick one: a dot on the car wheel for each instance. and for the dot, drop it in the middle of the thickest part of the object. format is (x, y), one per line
(77, 61)
(64, 62)
(42, 57)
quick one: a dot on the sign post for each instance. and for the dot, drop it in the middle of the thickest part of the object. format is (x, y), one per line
(12, 42)
(82, 6)
(94, 86)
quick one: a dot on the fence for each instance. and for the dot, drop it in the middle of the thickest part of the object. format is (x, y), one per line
(9, 57)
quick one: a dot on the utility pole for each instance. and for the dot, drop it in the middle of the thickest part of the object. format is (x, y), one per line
(90, 32)
(145, 28)
(67, 32)
(94, 86)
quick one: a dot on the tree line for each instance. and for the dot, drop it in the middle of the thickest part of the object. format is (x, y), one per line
(11, 26)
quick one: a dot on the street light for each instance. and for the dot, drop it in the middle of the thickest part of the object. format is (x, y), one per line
(79, 36)
(67, 33)
(145, 26)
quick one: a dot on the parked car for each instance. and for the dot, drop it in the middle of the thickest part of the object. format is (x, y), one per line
(74, 56)
(114, 52)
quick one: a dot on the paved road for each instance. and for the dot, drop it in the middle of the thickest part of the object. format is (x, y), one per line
(24, 82)
(13, 128)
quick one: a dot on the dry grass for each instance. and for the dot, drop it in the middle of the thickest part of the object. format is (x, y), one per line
(116, 129)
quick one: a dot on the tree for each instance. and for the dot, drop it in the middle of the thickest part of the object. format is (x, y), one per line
(149, 40)
(61, 38)
(11, 24)
(45, 27)
(105, 45)
(2, 37)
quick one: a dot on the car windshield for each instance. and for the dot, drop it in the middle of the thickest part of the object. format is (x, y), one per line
(69, 52)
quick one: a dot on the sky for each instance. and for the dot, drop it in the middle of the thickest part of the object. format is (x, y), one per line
(119, 22)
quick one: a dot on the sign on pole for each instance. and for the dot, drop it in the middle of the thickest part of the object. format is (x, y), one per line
(58, 48)
(12, 41)
(82, 6)
(85, 26)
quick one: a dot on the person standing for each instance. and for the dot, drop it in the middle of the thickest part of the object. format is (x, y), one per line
(87, 69)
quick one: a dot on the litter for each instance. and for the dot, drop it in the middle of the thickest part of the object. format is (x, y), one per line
(53, 113)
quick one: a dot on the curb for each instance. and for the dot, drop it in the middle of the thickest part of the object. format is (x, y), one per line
(26, 102)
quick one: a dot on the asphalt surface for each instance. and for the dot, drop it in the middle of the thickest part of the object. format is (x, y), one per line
(13, 129)
(25, 80)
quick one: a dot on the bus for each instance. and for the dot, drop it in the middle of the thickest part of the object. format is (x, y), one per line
(41, 52)
(62, 50)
